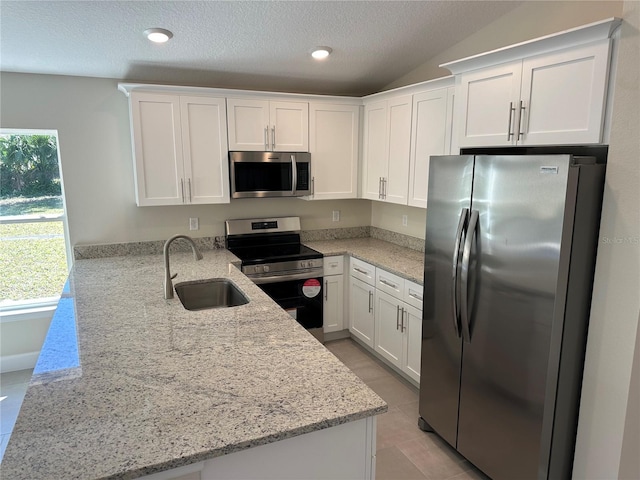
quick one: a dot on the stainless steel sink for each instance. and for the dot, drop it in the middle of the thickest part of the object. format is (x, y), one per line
(211, 293)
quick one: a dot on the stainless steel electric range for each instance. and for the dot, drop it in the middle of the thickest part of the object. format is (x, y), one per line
(285, 269)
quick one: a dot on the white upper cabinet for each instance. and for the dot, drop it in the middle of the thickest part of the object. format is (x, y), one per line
(548, 91)
(487, 105)
(563, 96)
(387, 143)
(180, 149)
(263, 125)
(334, 133)
(430, 135)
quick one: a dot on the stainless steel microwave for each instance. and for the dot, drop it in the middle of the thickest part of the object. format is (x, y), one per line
(269, 174)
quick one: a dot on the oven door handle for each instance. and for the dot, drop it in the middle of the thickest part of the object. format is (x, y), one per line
(287, 277)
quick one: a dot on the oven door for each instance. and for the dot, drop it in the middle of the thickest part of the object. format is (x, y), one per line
(302, 299)
(265, 174)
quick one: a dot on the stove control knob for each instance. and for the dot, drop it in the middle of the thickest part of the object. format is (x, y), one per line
(303, 265)
(258, 268)
(265, 269)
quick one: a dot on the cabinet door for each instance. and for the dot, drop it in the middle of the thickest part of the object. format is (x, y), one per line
(333, 143)
(204, 141)
(361, 309)
(431, 135)
(388, 334)
(412, 338)
(289, 130)
(375, 149)
(486, 105)
(563, 96)
(248, 124)
(396, 185)
(157, 146)
(333, 303)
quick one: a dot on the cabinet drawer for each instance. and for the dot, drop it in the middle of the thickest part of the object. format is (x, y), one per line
(413, 294)
(363, 271)
(389, 283)
(333, 265)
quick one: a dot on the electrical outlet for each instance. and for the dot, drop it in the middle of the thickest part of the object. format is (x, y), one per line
(193, 223)
(336, 215)
(405, 220)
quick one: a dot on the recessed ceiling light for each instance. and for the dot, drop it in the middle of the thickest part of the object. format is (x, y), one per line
(158, 35)
(320, 53)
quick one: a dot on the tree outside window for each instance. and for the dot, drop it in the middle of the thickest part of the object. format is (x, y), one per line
(32, 224)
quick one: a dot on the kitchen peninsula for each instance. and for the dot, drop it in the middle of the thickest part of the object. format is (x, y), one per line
(163, 391)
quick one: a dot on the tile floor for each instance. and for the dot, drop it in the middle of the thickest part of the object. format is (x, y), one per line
(13, 386)
(403, 450)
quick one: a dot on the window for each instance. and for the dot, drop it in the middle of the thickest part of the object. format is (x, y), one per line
(34, 247)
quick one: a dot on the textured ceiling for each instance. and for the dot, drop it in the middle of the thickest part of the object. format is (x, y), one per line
(260, 45)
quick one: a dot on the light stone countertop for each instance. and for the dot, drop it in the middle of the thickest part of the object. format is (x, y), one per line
(402, 261)
(157, 386)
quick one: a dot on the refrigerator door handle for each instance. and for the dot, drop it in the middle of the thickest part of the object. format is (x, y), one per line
(464, 277)
(464, 213)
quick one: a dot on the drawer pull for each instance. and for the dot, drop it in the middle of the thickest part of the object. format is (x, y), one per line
(363, 272)
(415, 295)
(388, 284)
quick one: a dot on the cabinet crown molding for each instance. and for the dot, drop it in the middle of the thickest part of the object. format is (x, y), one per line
(584, 34)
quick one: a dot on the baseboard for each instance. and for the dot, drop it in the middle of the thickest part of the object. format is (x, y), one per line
(22, 361)
(328, 337)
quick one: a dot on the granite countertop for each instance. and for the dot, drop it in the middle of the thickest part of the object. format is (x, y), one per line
(153, 386)
(402, 261)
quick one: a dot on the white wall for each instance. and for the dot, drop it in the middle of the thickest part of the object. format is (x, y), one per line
(604, 410)
(92, 120)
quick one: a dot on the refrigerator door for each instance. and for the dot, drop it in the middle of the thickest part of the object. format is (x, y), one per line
(513, 269)
(449, 200)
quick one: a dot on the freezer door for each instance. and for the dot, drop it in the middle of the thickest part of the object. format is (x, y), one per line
(450, 182)
(513, 271)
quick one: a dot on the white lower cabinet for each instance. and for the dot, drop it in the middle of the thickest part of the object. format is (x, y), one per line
(361, 317)
(398, 324)
(333, 307)
(385, 314)
(389, 334)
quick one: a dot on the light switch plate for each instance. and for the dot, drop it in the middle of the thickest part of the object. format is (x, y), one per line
(336, 215)
(405, 220)
(193, 223)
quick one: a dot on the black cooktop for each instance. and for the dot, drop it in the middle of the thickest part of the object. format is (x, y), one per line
(257, 249)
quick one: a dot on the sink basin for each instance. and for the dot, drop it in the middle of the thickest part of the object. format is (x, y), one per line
(212, 293)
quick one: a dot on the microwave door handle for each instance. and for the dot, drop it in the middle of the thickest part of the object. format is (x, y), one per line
(294, 175)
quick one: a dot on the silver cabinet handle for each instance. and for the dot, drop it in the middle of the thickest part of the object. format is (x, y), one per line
(456, 258)
(384, 188)
(403, 326)
(379, 188)
(509, 132)
(388, 284)
(326, 290)
(189, 182)
(313, 185)
(370, 301)
(415, 295)
(266, 137)
(464, 277)
(273, 137)
(182, 189)
(364, 272)
(294, 175)
(522, 109)
(397, 317)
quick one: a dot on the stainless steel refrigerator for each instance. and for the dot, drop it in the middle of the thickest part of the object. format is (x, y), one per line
(509, 260)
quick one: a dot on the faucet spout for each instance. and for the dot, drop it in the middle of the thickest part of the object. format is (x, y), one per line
(168, 284)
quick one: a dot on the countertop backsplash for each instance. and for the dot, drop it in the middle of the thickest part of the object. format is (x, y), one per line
(210, 243)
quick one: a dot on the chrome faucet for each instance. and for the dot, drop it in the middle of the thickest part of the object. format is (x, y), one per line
(168, 284)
